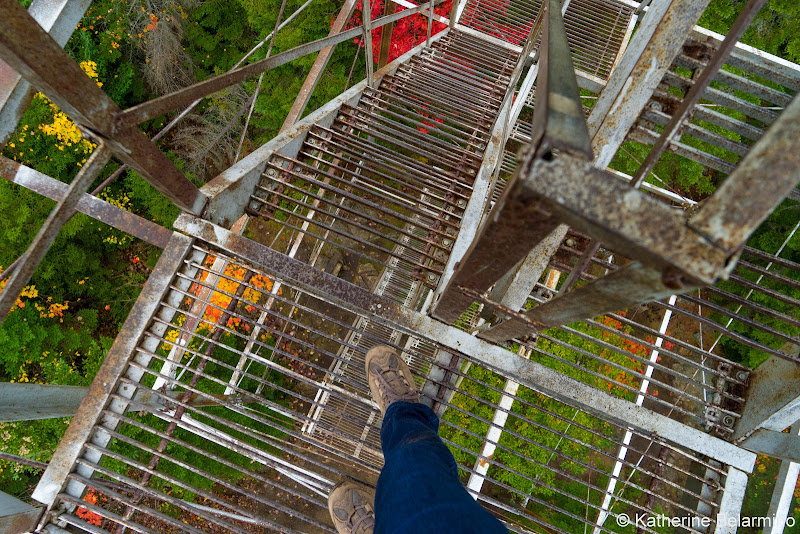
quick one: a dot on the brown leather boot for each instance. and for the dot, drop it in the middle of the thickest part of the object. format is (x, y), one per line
(351, 508)
(390, 379)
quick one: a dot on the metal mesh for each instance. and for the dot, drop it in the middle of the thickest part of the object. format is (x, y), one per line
(225, 434)
(596, 29)
(385, 187)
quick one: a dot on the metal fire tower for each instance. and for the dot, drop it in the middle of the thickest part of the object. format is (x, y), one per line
(564, 319)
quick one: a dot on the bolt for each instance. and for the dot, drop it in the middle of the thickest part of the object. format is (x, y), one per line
(461, 202)
(727, 420)
(431, 277)
(446, 242)
(571, 242)
(271, 172)
(742, 375)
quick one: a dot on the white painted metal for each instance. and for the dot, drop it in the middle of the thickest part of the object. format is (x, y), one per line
(730, 506)
(782, 495)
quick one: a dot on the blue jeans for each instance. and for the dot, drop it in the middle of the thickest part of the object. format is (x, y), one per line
(419, 490)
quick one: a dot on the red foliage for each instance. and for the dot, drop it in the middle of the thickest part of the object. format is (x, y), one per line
(407, 33)
(91, 497)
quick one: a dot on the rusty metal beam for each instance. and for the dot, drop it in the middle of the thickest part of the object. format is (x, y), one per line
(745, 198)
(558, 119)
(92, 206)
(58, 18)
(50, 229)
(512, 229)
(114, 365)
(655, 44)
(163, 104)
(631, 285)
(30, 51)
(782, 495)
(773, 398)
(697, 89)
(389, 7)
(572, 191)
(17, 516)
(319, 65)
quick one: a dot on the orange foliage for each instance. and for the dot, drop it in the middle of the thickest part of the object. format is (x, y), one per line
(91, 497)
(226, 287)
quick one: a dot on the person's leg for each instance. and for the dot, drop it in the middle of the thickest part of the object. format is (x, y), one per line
(419, 490)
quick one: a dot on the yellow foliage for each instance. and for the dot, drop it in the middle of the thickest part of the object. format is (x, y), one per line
(63, 129)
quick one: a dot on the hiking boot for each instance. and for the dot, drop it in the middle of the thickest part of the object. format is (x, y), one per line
(390, 379)
(350, 505)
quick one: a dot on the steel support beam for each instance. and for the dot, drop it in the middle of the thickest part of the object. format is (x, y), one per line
(745, 199)
(670, 256)
(58, 18)
(386, 35)
(17, 516)
(230, 191)
(114, 365)
(773, 399)
(182, 97)
(30, 51)
(26, 402)
(785, 446)
(319, 66)
(697, 89)
(655, 44)
(782, 495)
(730, 506)
(527, 373)
(494, 252)
(513, 289)
(128, 222)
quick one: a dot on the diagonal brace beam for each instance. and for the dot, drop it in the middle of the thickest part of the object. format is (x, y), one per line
(49, 231)
(30, 51)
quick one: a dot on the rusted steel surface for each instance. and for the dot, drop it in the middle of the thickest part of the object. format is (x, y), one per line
(17, 516)
(558, 120)
(650, 53)
(389, 7)
(115, 363)
(572, 191)
(353, 187)
(626, 287)
(30, 51)
(92, 206)
(182, 97)
(773, 399)
(526, 372)
(515, 225)
(518, 221)
(49, 231)
(306, 277)
(745, 198)
(638, 226)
